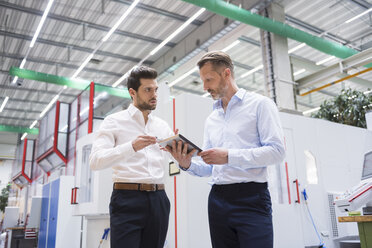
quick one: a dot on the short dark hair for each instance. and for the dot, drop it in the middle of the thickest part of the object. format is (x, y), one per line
(140, 72)
(217, 59)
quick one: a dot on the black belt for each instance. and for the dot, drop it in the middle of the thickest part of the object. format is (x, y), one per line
(139, 186)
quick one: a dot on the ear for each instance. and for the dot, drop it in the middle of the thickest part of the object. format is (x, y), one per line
(227, 72)
(132, 92)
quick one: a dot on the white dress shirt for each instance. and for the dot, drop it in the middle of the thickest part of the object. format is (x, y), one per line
(112, 147)
(251, 131)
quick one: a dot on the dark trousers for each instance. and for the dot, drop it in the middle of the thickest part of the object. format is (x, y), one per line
(240, 216)
(138, 219)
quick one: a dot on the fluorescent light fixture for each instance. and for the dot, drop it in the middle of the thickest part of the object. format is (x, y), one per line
(325, 60)
(46, 11)
(14, 80)
(4, 103)
(183, 76)
(299, 72)
(23, 136)
(310, 111)
(251, 71)
(126, 13)
(191, 19)
(49, 105)
(231, 46)
(296, 48)
(23, 63)
(33, 124)
(361, 14)
(83, 65)
(121, 79)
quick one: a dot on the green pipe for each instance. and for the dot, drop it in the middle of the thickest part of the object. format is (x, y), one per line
(79, 84)
(13, 129)
(234, 12)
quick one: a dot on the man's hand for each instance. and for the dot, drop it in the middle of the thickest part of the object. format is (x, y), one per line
(142, 141)
(215, 156)
(180, 154)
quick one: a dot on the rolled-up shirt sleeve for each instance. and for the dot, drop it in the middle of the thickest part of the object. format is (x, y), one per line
(271, 137)
(104, 151)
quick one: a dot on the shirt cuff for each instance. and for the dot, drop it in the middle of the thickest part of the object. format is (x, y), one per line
(233, 157)
(184, 169)
(126, 149)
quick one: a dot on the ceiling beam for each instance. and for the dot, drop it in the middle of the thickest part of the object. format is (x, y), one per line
(22, 88)
(55, 63)
(12, 99)
(196, 41)
(22, 110)
(361, 3)
(16, 118)
(312, 67)
(75, 47)
(315, 30)
(160, 11)
(81, 22)
(357, 60)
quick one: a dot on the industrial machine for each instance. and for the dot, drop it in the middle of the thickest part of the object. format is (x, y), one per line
(361, 194)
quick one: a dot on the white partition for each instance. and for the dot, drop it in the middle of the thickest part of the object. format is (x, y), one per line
(94, 188)
(188, 192)
(336, 151)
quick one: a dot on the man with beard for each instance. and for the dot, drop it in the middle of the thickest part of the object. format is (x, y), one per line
(126, 141)
(242, 136)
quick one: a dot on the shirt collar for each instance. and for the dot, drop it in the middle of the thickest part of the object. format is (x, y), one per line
(238, 96)
(133, 110)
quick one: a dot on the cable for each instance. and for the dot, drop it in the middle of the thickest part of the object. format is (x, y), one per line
(104, 237)
(321, 242)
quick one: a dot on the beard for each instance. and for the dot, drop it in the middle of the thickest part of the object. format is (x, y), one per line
(220, 91)
(142, 105)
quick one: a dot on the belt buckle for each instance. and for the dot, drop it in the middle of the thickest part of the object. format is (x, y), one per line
(152, 187)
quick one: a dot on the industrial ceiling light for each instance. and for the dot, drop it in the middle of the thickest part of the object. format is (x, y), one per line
(358, 16)
(231, 46)
(4, 103)
(14, 80)
(251, 71)
(112, 30)
(126, 13)
(183, 76)
(83, 65)
(296, 48)
(23, 136)
(23, 63)
(49, 105)
(191, 19)
(41, 23)
(33, 124)
(156, 49)
(325, 60)
(299, 72)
